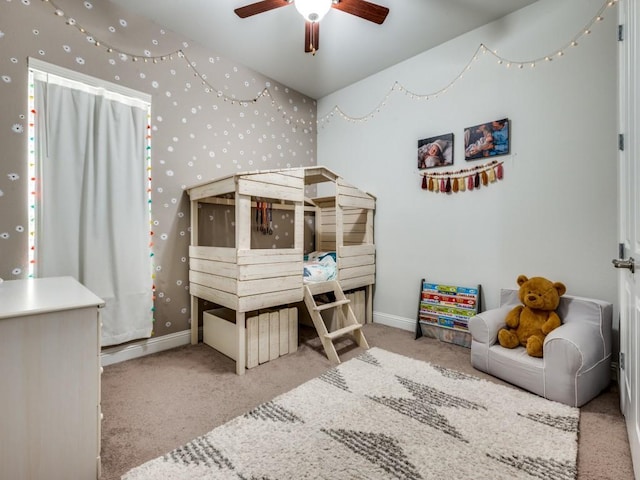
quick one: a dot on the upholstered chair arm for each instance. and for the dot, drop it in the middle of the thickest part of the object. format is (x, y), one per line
(574, 346)
(484, 326)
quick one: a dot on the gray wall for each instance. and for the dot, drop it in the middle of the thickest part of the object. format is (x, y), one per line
(196, 135)
(554, 213)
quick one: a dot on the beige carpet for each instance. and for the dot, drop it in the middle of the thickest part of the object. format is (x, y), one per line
(154, 404)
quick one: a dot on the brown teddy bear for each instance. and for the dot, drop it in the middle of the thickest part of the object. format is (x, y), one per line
(529, 324)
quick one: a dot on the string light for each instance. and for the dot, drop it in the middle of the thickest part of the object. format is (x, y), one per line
(501, 60)
(209, 88)
(32, 183)
(179, 53)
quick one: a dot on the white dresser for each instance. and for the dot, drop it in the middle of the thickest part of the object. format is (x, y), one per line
(49, 380)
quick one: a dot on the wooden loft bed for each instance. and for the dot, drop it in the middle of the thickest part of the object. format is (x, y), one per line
(235, 274)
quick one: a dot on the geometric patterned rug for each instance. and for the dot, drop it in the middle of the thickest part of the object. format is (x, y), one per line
(385, 416)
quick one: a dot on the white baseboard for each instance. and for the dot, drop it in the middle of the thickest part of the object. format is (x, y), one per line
(395, 321)
(120, 353)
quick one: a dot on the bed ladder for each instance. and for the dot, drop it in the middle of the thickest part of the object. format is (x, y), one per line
(349, 323)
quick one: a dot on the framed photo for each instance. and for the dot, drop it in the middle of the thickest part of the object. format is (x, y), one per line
(487, 139)
(435, 151)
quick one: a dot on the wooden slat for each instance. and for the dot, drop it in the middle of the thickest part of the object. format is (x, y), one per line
(215, 282)
(284, 179)
(268, 255)
(222, 269)
(243, 221)
(283, 331)
(353, 238)
(353, 228)
(268, 300)
(293, 329)
(263, 337)
(215, 188)
(367, 203)
(220, 254)
(274, 335)
(370, 237)
(269, 285)
(326, 245)
(351, 251)
(357, 282)
(252, 341)
(216, 296)
(343, 331)
(266, 190)
(353, 272)
(269, 270)
(351, 191)
(357, 260)
(325, 202)
(194, 222)
(326, 306)
(298, 240)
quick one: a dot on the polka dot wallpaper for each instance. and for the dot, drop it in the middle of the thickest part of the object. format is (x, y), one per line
(200, 127)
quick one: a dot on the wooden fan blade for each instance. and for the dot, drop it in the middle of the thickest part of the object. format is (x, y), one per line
(363, 9)
(260, 7)
(311, 37)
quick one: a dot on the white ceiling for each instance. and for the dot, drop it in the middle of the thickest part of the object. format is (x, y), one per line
(272, 43)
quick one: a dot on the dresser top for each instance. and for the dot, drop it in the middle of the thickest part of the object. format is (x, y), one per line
(42, 295)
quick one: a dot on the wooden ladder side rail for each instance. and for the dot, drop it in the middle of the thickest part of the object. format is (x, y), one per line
(350, 324)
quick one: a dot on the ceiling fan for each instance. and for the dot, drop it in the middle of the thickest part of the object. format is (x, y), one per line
(314, 10)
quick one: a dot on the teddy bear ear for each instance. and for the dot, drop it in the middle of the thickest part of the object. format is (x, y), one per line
(560, 287)
(522, 279)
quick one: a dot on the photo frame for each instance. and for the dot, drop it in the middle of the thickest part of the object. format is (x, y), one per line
(435, 151)
(488, 139)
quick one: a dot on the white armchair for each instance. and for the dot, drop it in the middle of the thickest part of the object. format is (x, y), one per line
(577, 355)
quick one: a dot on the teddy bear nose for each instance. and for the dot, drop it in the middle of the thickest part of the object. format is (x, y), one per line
(531, 297)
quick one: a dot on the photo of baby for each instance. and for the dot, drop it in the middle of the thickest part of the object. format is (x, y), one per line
(435, 151)
(486, 140)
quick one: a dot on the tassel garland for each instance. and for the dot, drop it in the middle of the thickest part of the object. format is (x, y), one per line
(462, 180)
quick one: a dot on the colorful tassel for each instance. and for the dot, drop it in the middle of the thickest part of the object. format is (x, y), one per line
(455, 185)
(431, 184)
(448, 185)
(476, 181)
(436, 185)
(461, 184)
(485, 178)
(470, 182)
(499, 171)
(492, 175)
(424, 182)
(443, 187)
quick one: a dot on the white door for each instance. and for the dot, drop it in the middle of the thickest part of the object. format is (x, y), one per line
(629, 191)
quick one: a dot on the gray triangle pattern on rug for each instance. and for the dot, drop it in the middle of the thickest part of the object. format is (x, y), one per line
(564, 423)
(368, 358)
(543, 468)
(199, 452)
(448, 373)
(273, 411)
(422, 407)
(380, 449)
(335, 378)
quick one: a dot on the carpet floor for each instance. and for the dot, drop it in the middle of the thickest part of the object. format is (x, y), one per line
(154, 404)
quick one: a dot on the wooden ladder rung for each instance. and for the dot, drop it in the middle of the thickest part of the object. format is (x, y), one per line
(343, 331)
(326, 306)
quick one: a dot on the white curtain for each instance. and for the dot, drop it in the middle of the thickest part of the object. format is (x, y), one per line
(93, 211)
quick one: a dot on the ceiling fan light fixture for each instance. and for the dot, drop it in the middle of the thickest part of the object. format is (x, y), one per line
(313, 10)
